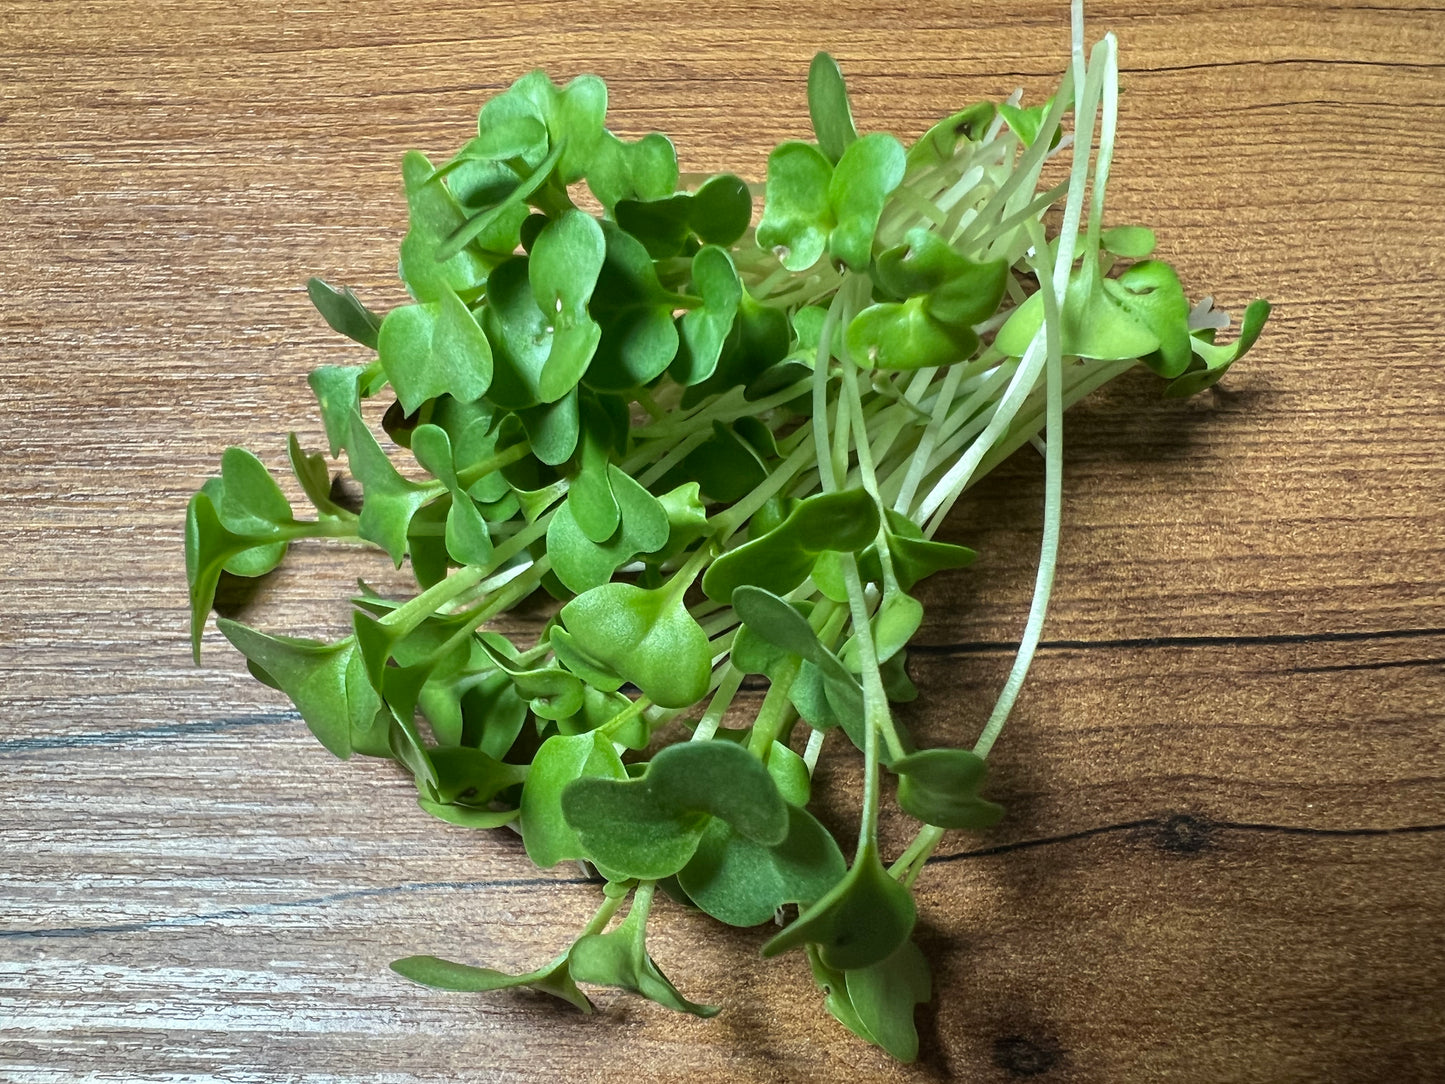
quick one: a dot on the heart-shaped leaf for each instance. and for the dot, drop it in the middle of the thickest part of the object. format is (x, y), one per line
(560, 761)
(645, 636)
(861, 921)
(644, 170)
(901, 335)
(1150, 292)
(797, 215)
(940, 787)
(782, 559)
(742, 882)
(867, 173)
(705, 329)
(884, 995)
(639, 339)
(326, 682)
(648, 827)
(427, 265)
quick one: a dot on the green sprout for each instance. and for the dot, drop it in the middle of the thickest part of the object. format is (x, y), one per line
(725, 450)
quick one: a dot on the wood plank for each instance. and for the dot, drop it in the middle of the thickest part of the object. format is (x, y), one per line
(1222, 860)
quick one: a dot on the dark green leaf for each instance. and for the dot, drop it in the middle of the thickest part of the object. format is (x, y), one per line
(562, 759)
(649, 827)
(828, 107)
(555, 978)
(326, 682)
(940, 787)
(344, 312)
(884, 995)
(743, 882)
(620, 959)
(861, 921)
(782, 559)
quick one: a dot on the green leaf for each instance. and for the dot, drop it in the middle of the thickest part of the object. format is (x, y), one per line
(705, 329)
(565, 261)
(552, 429)
(867, 173)
(940, 787)
(721, 210)
(639, 338)
(559, 761)
(315, 478)
(436, 349)
(901, 335)
(467, 817)
(883, 996)
(782, 559)
(390, 500)
(1150, 292)
(797, 216)
(828, 107)
(790, 773)
(742, 882)
(555, 978)
(620, 958)
(470, 777)
(861, 921)
(575, 124)
(780, 624)
(649, 827)
(1131, 242)
(435, 216)
(494, 227)
(338, 394)
(915, 558)
(725, 467)
(1026, 123)
(590, 501)
(326, 682)
(959, 292)
(644, 170)
(552, 693)
(1093, 324)
(1217, 359)
(251, 501)
(209, 548)
(344, 312)
(582, 564)
(645, 636)
(937, 145)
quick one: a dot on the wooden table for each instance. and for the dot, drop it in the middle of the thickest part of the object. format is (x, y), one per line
(1223, 854)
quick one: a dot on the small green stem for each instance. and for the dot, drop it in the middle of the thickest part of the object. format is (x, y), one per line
(773, 715)
(610, 906)
(477, 471)
(722, 698)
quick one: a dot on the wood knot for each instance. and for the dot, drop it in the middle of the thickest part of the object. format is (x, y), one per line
(1184, 833)
(1022, 1057)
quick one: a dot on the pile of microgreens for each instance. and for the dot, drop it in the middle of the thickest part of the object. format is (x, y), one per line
(726, 450)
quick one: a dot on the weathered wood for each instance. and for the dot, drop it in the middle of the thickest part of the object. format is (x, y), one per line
(1225, 782)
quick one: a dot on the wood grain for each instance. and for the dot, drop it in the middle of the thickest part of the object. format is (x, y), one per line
(1226, 780)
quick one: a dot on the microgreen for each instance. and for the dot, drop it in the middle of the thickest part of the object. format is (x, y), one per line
(723, 450)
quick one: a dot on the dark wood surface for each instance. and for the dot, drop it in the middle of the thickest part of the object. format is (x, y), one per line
(1226, 781)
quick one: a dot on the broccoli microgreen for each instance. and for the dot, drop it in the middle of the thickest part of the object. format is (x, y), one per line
(725, 450)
